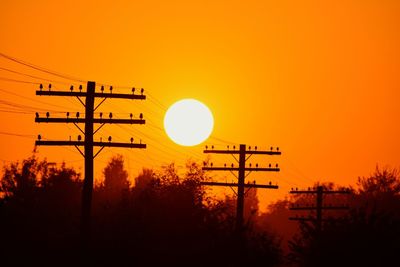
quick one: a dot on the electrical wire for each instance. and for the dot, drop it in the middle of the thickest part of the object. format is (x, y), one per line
(30, 65)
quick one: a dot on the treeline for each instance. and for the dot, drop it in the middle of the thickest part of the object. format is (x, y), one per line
(165, 218)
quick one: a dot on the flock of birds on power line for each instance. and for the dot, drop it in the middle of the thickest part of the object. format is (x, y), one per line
(270, 166)
(79, 138)
(101, 88)
(249, 148)
(100, 115)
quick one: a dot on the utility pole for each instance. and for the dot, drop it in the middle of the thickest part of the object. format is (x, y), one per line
(319, 193)
(244, 155)
(90, 96)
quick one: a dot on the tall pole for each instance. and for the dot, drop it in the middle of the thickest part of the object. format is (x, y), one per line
(89, 168)
(88, 143)
(244, 154)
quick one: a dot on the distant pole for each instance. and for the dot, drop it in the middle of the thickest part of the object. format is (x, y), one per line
(89, 165)
(319, 208)
(319, 193)
(240, 190)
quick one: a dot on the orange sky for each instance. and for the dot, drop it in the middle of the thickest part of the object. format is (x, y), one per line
(319, 79)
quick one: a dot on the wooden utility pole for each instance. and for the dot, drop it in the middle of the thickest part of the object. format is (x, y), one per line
(244, 155)
(319, 192)
(90, 95)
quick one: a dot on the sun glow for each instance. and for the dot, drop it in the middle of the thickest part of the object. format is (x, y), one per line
(188, 122)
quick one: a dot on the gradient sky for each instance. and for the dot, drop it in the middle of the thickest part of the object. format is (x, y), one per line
(319, 79)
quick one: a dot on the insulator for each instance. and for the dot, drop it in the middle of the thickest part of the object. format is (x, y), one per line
(47, 114)
(232, 165)
(101, 115)
(110, 115)
(212, 147)
(131, 115)
(141, 116)
(269, 165)
(277, 149)
(80, 87)
(133, 90)
(249, 147)
(234, 147)
(250, 165)
(272, 148)
(225, 165)
(141, 91)
(37, 115)
(204, 163)
(270, 183)
(101, 139)
(77, 114)
(71, 88)
(296, 189)
(255, 148)
(102, 88)
(276, 165)
(67, 114)
(79, 137)
(41, 87)
(131, 139)
(111, 88)
(70, 138)
(211, 164)
(39, 137)
(206, 147)
(109, 139)
(227, 147)
(49, 86)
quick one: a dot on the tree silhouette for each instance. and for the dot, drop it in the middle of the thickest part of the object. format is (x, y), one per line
(370, 234)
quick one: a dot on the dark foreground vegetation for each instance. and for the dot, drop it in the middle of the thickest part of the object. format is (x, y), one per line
(167, 219)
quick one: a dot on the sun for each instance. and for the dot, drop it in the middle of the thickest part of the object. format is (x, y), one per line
(188, 122)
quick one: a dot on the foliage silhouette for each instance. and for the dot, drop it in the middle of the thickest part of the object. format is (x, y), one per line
(165, 219)
(370, 234)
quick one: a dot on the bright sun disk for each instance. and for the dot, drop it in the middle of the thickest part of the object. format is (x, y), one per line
(188, 122)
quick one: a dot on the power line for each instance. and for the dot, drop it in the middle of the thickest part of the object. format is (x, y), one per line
(17, 81)
(32, 76)
(30, 65)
